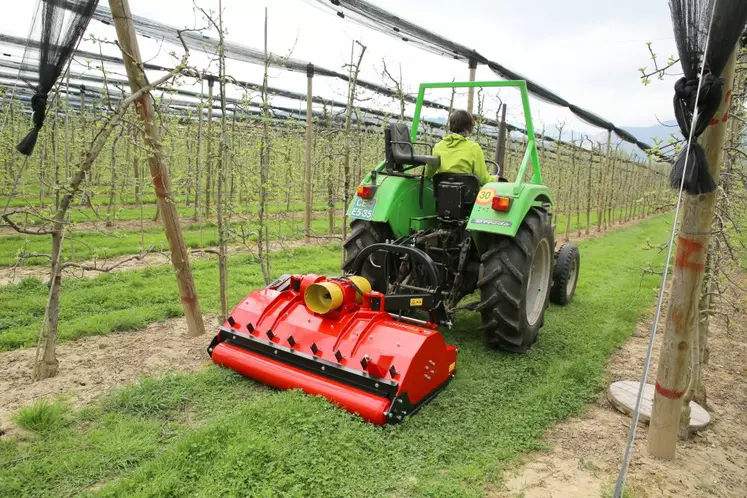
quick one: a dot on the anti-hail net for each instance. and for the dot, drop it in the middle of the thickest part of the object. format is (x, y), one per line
(692, 23)
(236, 51)
(62, 24)
(373, 17)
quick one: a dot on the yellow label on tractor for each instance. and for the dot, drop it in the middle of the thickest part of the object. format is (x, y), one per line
(485, 196)
(452, 367)
(416, 301)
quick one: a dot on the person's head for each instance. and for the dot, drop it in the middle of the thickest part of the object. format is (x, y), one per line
(461, 122)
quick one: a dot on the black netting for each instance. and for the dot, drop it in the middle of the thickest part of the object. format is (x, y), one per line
(35, 44)
(697, 23)
(63, 23)
(152, 29)
(379, 19)
(236, 51)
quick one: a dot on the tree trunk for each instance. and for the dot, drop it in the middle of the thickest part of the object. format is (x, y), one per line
(602, 164)
(209, 155)
(46, 364)
(222, 153)
(354, 70)
(264, 170)
(136, 173)
(198, 161)
(569, 204)
(113, 173)
(307, 196)
(588, 189)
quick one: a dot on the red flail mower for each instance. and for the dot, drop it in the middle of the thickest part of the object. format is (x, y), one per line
(333, 337)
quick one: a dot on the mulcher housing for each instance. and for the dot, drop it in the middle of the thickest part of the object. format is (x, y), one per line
(356, 355)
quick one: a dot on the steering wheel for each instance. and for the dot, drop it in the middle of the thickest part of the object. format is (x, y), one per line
(495, 164)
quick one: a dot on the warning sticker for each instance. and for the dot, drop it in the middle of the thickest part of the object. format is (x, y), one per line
(452, 367)
(485, 196)
(499, 223)
(416, 301)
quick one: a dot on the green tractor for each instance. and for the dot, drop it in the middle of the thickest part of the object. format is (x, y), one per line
(427, 243)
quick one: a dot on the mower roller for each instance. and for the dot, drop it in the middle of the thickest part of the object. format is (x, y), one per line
(368, 341)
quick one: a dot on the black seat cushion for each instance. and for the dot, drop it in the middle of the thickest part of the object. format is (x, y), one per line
(399, 148)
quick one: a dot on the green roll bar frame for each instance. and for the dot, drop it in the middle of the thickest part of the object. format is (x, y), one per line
(530, 156)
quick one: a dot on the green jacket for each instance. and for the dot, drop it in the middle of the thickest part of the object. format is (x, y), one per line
(459, 155)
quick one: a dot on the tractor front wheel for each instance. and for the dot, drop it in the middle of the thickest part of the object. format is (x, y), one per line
(363, 234)
(565, 275)
(515, 284)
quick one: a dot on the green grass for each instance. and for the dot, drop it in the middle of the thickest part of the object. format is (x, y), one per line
(82, 246)
(132, 299)
(213, 433)
(43, 417)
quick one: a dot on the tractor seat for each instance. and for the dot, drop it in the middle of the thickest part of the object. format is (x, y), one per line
(400, 151)
(455, 194)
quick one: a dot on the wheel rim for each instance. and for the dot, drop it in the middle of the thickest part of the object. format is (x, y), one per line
(538, 282)
(571, 284)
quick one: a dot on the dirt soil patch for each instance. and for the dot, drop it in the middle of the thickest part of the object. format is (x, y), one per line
(91, 366)
(587, 451)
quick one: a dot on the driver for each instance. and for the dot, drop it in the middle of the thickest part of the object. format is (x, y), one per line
(458, 153)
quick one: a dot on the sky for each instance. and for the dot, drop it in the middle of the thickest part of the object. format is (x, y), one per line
(587, 51)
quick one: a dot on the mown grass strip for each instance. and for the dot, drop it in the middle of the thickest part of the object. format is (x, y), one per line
(215, 434)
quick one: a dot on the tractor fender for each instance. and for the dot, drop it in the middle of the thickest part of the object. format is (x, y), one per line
(395, 202)
(485, 219)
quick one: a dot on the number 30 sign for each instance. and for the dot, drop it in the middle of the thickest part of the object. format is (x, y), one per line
(485, 196)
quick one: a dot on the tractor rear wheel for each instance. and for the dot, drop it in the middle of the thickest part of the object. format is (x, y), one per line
(363, 234)
(515, 284)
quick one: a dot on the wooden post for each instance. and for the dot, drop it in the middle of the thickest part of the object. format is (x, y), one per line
(687, 280)
(471, 90)
(179, 255)
(309, 144)
(500, 151)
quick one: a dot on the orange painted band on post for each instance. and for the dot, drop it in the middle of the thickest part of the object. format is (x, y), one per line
(686, 248)
(142, 108)
(668, 393)
(189, 300)
(160, 190)
(716, 120)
